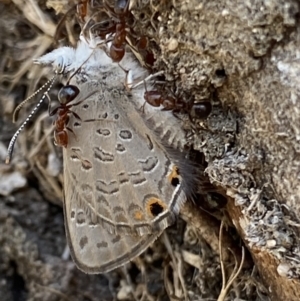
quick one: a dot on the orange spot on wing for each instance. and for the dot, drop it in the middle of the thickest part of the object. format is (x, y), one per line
(173, 174)
(138, 215)
(174, 177)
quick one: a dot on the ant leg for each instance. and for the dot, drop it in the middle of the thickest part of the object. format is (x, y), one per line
(54, 111)
(75, 115)
(70, 130)
(175, 113)
(146, 91)
(81, 101)
(148, 78)
(128, 78)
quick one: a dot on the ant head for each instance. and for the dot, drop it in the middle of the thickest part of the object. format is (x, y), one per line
(67, 93)
(121, 7)
(201, 110)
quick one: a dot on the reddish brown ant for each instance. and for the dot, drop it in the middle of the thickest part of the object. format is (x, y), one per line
(199, 110)
(119, 15)
(114, 28)
(117, 48)
(65, 95)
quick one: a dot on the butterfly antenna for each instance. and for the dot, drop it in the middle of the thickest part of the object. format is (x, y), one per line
(14, 138)
(59, 67)
(20, 106)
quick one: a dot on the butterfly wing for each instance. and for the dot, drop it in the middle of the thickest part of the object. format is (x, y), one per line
(93, 248)
(119, 193)
(121, 187)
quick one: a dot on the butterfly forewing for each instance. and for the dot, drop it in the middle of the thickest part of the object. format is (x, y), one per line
(118, 190)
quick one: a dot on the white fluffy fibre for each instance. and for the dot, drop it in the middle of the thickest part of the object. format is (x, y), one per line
(64, 55)
(70, 59)
(67, 60)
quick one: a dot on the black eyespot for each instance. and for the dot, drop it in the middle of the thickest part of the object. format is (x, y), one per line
(175, 182)
(156, 209)
(116, 116)
(85, 106)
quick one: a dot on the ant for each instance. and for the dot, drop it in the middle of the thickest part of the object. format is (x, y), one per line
(65, 95)
(199, 110)
(114, 29)
(118, 44)
(105, 23)
(81, 9)
(120, 12)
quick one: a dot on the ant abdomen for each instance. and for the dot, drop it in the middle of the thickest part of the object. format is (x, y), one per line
(117, 53)
(61, 138)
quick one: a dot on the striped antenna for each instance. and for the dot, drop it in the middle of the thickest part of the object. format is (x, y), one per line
(14, 138)
(59, 67)
(21, 105)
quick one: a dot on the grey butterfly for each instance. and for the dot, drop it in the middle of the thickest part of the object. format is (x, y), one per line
(121, 187)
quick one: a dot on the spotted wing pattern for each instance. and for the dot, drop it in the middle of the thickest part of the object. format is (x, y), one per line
(121, 188)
